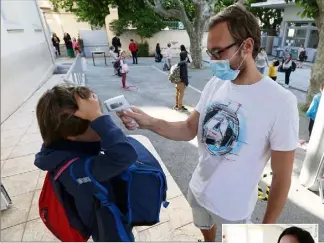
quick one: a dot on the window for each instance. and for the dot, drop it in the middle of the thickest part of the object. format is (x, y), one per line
(313, 39)
(296, 36)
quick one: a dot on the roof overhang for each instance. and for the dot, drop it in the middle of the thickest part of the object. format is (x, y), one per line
(272, 4)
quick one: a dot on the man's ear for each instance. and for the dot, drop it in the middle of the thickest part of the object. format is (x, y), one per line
(248, 46)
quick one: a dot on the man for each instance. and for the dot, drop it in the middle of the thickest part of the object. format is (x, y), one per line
(169, 55)
(242, 119)
(116, 43)
(133, 49)
(81, 45)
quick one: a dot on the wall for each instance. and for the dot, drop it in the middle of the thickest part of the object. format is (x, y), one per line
(64, 22)
(175, 37)
(26, 60)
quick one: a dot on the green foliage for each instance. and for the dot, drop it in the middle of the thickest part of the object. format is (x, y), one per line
(138, 15)
(143, 49)
(310, 8)
(92, 11)
(270, 18)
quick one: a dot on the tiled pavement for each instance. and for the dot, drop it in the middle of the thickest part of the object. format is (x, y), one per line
(20, 140)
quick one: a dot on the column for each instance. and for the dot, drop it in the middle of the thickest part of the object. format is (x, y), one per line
(313, 166)
(308, 31)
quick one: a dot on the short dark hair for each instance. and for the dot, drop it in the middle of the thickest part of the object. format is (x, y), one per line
(183, 48)
(241, 23)
(301, 235)
(55, 111)
(131, 40)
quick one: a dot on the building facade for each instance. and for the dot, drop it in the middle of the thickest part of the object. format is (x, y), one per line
(27, 58)
(294, 31)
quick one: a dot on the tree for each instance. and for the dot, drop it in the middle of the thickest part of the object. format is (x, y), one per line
(193, 14)
(270, 18)
(136, 14)
(314, 9)
(92, 11)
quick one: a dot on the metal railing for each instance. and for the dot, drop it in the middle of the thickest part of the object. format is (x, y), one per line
(76, 74)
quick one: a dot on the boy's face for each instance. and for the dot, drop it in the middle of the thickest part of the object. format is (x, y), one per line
(89, 136)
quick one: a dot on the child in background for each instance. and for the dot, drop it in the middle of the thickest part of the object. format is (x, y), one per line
(273, 69)
(75, 46)
(124, 68)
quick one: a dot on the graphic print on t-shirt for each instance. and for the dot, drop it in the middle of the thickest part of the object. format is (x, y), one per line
(223, 128)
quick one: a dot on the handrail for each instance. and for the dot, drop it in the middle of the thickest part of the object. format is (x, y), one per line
(76, 74)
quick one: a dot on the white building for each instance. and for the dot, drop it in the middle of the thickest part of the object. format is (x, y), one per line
(294, 30)
(27, 58)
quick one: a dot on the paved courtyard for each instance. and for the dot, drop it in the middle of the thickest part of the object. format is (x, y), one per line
(155, 95)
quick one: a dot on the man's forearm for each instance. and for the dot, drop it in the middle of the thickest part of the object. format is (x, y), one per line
(277, 199)
(178, 131)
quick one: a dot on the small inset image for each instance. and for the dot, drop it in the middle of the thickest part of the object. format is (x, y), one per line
(270, 233)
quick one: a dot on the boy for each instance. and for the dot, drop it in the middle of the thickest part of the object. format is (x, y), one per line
(312, 110)
(133, 49)
(273, 69)
(72, 125)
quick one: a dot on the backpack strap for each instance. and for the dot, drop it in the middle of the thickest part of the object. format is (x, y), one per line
(63, 168)
(102, 194)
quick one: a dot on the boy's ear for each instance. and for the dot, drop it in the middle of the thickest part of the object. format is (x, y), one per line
(71, 138)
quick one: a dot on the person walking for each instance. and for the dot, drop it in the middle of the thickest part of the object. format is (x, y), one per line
(313, 108)
(239, 128)
(169, 55)
(287, 68)
(117, 44)
(56, 43)
(68, 45)
(133, 48)
(81, 45)
(181, 86)
(272, 72)
(262, 61)
(301, 56)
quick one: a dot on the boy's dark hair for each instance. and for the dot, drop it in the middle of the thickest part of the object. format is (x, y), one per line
(55, 111)
(241, 23)
(301, 235)
(112, 48)
(131, 40)
(276, 63)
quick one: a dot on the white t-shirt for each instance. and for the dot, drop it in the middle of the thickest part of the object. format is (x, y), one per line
(169, 53)
(239, 125)
(261, 60)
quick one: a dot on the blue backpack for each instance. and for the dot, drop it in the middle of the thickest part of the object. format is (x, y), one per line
(133, 198)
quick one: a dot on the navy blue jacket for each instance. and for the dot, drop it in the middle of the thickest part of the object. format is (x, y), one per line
(113, 155)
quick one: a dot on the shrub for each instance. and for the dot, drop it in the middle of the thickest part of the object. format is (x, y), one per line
(143, 49)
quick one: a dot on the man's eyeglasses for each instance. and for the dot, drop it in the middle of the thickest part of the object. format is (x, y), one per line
(216, 53)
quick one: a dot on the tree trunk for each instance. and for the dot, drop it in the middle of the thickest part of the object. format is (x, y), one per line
(318, 68)
(196, 48)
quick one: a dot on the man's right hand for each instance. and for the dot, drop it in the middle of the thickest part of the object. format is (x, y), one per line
(143, 120)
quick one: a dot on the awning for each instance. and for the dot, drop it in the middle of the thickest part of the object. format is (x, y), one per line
(272, 4)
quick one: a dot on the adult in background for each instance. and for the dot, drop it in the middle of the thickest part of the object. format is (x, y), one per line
(181, 86)
(239, 127)
(133, 48)
(262, 61)
(116, 43)
(301, 56)
(287, 68)
(81, 45)
(158, 55)
(68, 45)
(56, 43)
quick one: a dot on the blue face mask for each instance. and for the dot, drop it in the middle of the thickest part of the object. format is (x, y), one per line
(222, 70)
